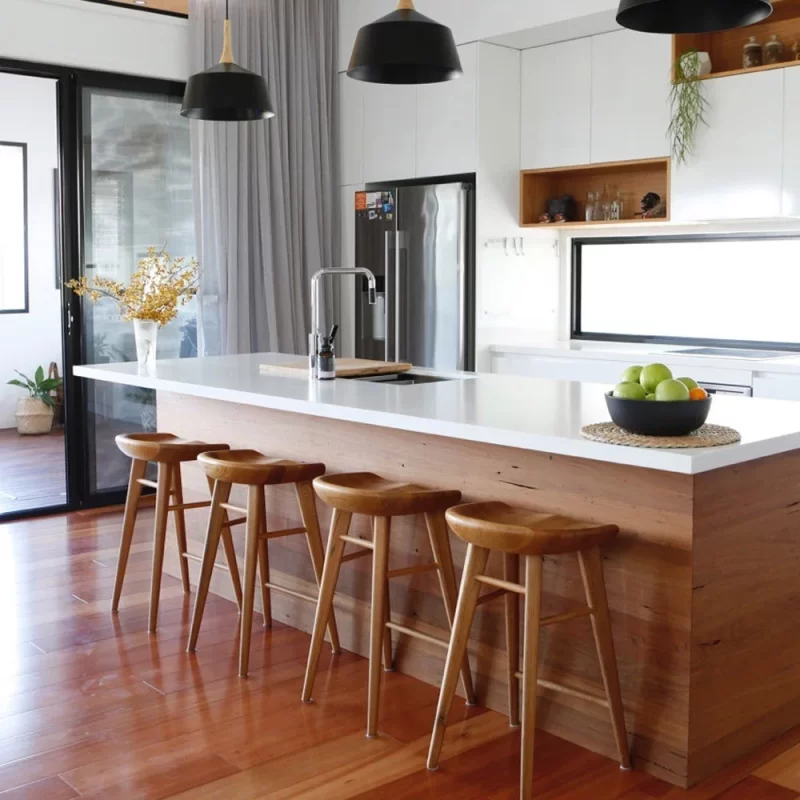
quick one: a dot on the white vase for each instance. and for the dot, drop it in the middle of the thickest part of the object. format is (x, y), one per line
(146, 333)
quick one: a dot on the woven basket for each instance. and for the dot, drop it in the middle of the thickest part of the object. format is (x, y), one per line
(34, 417)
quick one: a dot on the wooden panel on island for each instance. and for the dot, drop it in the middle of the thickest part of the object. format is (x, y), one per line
(726, 48)
(632, 179)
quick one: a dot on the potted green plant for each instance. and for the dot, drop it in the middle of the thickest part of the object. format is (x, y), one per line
(35, 412)
(688, 101)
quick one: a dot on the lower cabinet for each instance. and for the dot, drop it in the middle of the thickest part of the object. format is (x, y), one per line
(564, 369)
(777, 387)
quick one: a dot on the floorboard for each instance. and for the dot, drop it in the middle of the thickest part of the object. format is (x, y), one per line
(93, 706)
(32, 471)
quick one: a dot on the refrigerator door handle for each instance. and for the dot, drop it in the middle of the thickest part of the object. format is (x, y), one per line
(387, 249)
(398, 295)
(462, 280)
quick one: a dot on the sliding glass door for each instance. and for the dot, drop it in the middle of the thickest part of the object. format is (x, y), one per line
(136, 194)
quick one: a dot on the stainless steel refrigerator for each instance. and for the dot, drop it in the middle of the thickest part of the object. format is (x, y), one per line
(419, 240)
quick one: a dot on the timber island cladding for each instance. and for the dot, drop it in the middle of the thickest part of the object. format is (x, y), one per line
(702, 580)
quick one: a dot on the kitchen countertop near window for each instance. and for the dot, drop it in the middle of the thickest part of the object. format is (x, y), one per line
(519, 412)
(634, 352)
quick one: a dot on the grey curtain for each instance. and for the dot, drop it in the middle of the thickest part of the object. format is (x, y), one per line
(265, 192)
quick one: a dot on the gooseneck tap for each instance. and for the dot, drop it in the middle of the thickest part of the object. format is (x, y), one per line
(314, 336)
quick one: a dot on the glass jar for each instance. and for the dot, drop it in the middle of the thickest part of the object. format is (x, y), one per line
(753, 54)
(773, 51)
(589, 215)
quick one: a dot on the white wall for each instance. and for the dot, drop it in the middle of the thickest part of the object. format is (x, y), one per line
(471, 20)
(94, 36)
(32, 339)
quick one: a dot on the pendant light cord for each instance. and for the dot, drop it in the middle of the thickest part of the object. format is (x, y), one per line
(227, 48)
(227, 9)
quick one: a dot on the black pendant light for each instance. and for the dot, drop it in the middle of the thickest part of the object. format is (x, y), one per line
(405, 47)
(691, 16)
(227, 92)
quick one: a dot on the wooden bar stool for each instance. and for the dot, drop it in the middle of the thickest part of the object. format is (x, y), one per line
(517, 532)
(365, 493)
(256, 471)
(169, 452)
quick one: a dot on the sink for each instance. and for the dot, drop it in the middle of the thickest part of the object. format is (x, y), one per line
(729, 352)
(403, 379)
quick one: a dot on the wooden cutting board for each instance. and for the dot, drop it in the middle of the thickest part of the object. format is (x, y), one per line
(345, 368)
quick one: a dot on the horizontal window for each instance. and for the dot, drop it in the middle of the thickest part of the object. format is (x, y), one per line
(732, 290)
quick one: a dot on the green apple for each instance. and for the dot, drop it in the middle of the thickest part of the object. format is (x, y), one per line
(628, 390)
(652, 375)
(689, 383)
(650, 397)
(631, 375)
(671, 391)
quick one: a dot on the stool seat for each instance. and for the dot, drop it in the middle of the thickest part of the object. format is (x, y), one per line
(499, 526)
(162, 448)
(369, 494)
(251, 468)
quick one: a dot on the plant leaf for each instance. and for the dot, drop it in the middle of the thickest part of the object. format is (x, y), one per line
(15, 382)
(49, 384)
(39, 375)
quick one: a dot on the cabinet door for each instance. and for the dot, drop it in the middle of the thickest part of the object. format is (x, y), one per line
(447, 120)
(736, 169)
(351, 129)
(390, 132)
(630, 96)
(556, 105)
(791, 144)
(778, 387)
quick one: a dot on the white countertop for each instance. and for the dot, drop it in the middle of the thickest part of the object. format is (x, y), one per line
(527, 413)
(635, 352)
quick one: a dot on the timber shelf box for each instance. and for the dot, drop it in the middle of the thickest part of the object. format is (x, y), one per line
(633, 180)
(726, 47)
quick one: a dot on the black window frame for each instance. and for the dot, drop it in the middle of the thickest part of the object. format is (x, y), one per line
(578, 334)
(26, 309)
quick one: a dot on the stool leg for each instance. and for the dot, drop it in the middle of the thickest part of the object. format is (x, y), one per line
(591, 564)
(443, 556)
(380, 567)
(465, 612)
(340, 525)
(530, 670)
(511, 574)
(138, 469)
(255, 506)
(162, 510)
(388, 660)
(230, 552)
(263, 569)
(180, 526)
(308, 513)
(219, 495)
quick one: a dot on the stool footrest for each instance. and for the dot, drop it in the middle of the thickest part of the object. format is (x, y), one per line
(150, 484)
(188, 506)
(365, 543)
(417, 634)
(291, 592)
(489, 596)
(357, 554)
(231, 522)
(415, 570)
(281, 534)
(591, 697)
(567, 616)
(498, 583)
(234, 509)
(193, 557)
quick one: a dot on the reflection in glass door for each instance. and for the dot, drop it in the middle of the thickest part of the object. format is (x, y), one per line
(137, 193)
(32, 452)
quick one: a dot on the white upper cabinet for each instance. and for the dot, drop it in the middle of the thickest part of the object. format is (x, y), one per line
(447, 121)
(791, 144)
(630, 95)
(556, 105)
(390, 132)
(351, 130)
(736, 170)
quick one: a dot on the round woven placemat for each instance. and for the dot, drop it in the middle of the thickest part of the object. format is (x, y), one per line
(707, 436)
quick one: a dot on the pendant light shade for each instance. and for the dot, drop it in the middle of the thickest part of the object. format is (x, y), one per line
(227, 92)
(691, 16)
(405, 47)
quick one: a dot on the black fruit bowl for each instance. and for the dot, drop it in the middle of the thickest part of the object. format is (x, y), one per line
(654, 418)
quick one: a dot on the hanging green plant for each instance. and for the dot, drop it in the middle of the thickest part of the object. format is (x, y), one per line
(689, 104)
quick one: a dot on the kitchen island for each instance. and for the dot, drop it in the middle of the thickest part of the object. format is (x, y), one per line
(702, 581)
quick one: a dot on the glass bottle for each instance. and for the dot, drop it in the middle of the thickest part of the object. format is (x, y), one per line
(773, 51)
(598, 205)
(606, 204)
(753, 54)
(620, 206)
(589, 215)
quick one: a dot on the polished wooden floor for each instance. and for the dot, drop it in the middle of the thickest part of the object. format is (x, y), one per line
(32, 471)
(92, 706)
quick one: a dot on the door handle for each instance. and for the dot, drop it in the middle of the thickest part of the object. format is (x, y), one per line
(398, 297)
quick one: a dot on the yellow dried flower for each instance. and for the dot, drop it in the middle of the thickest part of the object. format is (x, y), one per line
(157, 289)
